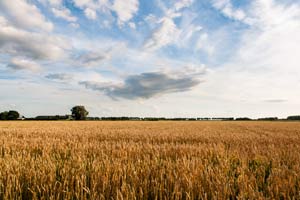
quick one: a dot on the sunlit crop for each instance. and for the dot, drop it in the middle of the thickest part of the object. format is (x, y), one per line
(149, 160)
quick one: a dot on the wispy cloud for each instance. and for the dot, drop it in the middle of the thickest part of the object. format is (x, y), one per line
(228, 10)
(93, 58)
(164, 35)
(275, 100)
(59, 77)
(167, 31)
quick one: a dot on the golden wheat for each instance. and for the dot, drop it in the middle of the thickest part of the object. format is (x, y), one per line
(149, 160)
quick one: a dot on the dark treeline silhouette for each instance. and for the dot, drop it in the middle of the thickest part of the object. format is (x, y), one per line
(268, 119)
(243, 119)
(55, 117)
(80, 113)
(296, 117)
(118, 118)
(223, 118)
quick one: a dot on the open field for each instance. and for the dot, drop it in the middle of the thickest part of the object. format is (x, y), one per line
(149, 160)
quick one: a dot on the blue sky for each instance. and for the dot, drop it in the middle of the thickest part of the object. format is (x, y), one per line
(176, 58)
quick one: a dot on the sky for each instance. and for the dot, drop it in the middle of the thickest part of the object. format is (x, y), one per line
(160, 58)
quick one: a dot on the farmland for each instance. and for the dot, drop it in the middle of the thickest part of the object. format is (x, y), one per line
(149, 160)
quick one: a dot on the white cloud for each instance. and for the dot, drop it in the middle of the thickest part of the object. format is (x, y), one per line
(132, 25)
(74, 25)
(23, 64)
(151, 20)
(25, 15)
(82, 3)
(166, 34)
(204, 44)
(125, 9)
(64, 13)
(91, 7)
(189, 31)
(59, 10)
(15, 41)
(273, 39)
(55, 2)
(266, 66)
(183, 4)
(90, 13)
(227, 9)
(268, 13)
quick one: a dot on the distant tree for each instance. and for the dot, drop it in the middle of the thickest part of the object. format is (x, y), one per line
(3, 115)
(79, 112)
(243, 119)
(297, 117)
(268, 119)
(13, 115)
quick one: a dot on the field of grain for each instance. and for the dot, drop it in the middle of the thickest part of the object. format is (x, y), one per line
(149, 160)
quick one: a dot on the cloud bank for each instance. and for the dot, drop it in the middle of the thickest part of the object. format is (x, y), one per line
(148, 85)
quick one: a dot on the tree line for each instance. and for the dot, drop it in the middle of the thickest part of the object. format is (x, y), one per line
(80, 113)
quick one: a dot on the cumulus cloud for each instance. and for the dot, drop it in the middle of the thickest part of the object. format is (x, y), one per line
(59, 77)
(90, 13)
(64, 13)
(23, 64)
(25, 15)
(15, 41)
(148, 85)
(91, 7)
(125, 9)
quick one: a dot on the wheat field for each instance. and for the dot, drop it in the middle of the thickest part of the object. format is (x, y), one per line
(149, 160)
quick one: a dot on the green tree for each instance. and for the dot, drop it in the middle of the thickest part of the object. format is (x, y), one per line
(10, 115)
(79, 112)
(13, 115)
(3, 115)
